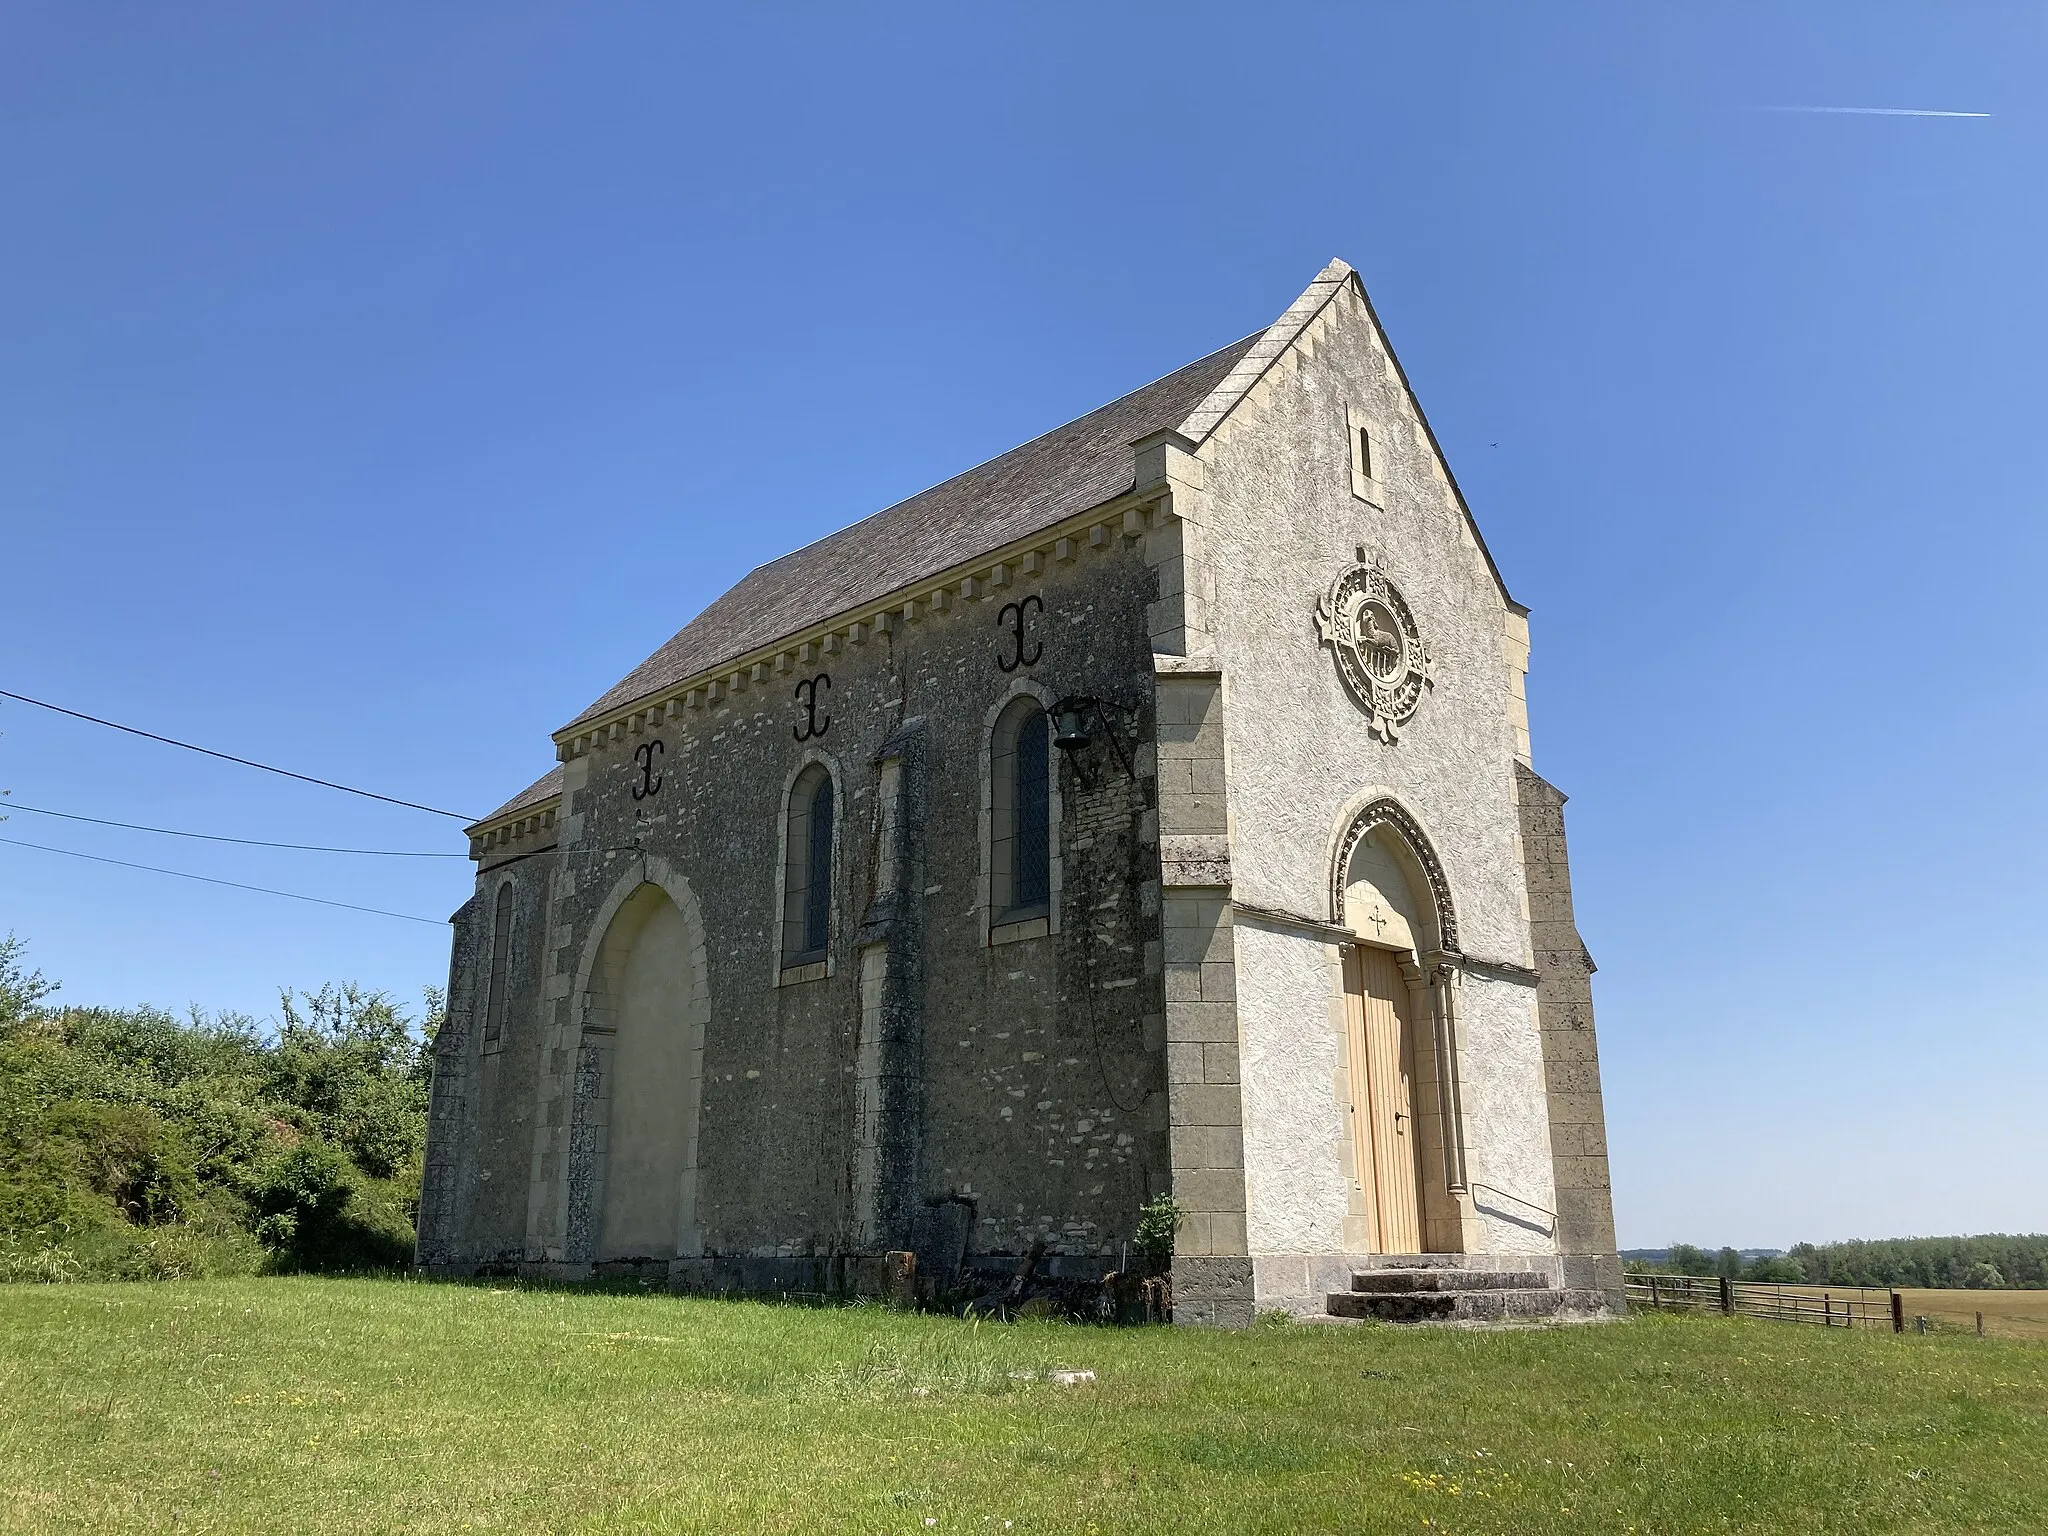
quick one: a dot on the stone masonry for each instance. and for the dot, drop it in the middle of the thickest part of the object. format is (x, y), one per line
(959, 1088)
(1571, 1056)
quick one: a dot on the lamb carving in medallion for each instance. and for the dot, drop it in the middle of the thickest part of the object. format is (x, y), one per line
(1380, 654)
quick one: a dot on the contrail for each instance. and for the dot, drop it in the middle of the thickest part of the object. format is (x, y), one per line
(1878, 111)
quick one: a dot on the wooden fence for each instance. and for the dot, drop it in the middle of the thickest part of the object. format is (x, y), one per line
(1846, 1306)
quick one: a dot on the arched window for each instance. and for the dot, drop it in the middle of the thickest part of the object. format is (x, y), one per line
(1020, 842)
(807, 869)
(501, 966)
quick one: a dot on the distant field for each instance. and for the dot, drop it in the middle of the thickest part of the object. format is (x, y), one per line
(307, 1405)
(2007, 1314)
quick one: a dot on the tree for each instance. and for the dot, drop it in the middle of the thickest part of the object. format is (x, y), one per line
(21, 991)
(1778, 1270)
(2020, 1259)
(351, 1058)
(1684, 1259)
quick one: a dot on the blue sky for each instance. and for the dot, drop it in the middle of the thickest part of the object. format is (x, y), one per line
(378, 384)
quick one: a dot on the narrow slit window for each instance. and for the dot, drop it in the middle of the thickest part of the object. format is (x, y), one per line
(1364, 472)
(501, 966)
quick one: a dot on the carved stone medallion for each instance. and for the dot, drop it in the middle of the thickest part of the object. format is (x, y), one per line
(1380, 655)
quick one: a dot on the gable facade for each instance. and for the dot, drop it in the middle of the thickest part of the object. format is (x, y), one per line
(1117, 849)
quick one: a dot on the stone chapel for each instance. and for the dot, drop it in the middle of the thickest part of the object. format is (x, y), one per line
(1146, 811)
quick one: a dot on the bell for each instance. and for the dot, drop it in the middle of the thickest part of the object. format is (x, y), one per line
(1069, 733)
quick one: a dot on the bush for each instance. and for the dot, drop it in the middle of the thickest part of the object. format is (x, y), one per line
(310, 1217)
(129, 1154)
(1159, 1222)
(137, 1144)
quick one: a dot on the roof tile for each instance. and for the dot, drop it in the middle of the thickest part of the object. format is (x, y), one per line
(1068, 470)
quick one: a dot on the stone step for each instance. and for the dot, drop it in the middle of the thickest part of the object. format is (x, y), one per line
(1416, 1261)
(1502, 1306)
(1394, 1281)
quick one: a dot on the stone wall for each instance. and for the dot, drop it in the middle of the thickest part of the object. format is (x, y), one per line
(473, 1195)
(1571, 1054)
(1021, 1082)
(970, 1090)
(1507, 1121)
(1210, 1268)
(1279, 508)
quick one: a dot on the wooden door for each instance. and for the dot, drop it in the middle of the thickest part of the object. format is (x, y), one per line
(1382, 1097)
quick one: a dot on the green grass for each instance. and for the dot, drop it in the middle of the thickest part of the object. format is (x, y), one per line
(359, 1405)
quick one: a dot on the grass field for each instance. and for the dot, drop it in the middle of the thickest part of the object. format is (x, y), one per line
(2007, 1314)
(328, 1405)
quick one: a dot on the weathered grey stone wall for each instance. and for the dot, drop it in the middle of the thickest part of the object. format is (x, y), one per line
(1041, 1103)
(1178, 1022)
(1211, 1271)
(443, 1209)
(473, 1196)
(1571, 1054)
(1281, 518)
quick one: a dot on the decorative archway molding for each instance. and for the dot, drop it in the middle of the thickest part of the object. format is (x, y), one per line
(1433, 973)
(1358, 823)
(594, 1030)
(645, 869)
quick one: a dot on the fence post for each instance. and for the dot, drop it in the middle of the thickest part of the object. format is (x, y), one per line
(1980, 1325)
(1727, 1297)
(1655, 1304)
(1898, 1313)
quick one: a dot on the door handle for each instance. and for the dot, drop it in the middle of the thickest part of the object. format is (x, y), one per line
(1399, 1116)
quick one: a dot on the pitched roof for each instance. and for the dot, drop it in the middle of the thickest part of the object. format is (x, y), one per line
(546, 787)
(1264, 351)
(1068, 470)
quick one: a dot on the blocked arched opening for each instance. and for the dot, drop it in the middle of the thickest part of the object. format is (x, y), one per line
(647, 1006)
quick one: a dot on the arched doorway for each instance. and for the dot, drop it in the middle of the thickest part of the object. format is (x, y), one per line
(648, 993)
(1400, 1062)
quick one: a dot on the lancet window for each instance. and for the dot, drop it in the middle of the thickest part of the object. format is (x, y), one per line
(1020, 832)
(501, 966)
(807, 869)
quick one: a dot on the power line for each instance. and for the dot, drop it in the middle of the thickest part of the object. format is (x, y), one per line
(229, 757)
(234, 884)
(214, 837)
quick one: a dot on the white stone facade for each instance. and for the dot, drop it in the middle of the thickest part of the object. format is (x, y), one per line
(1283, 509)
